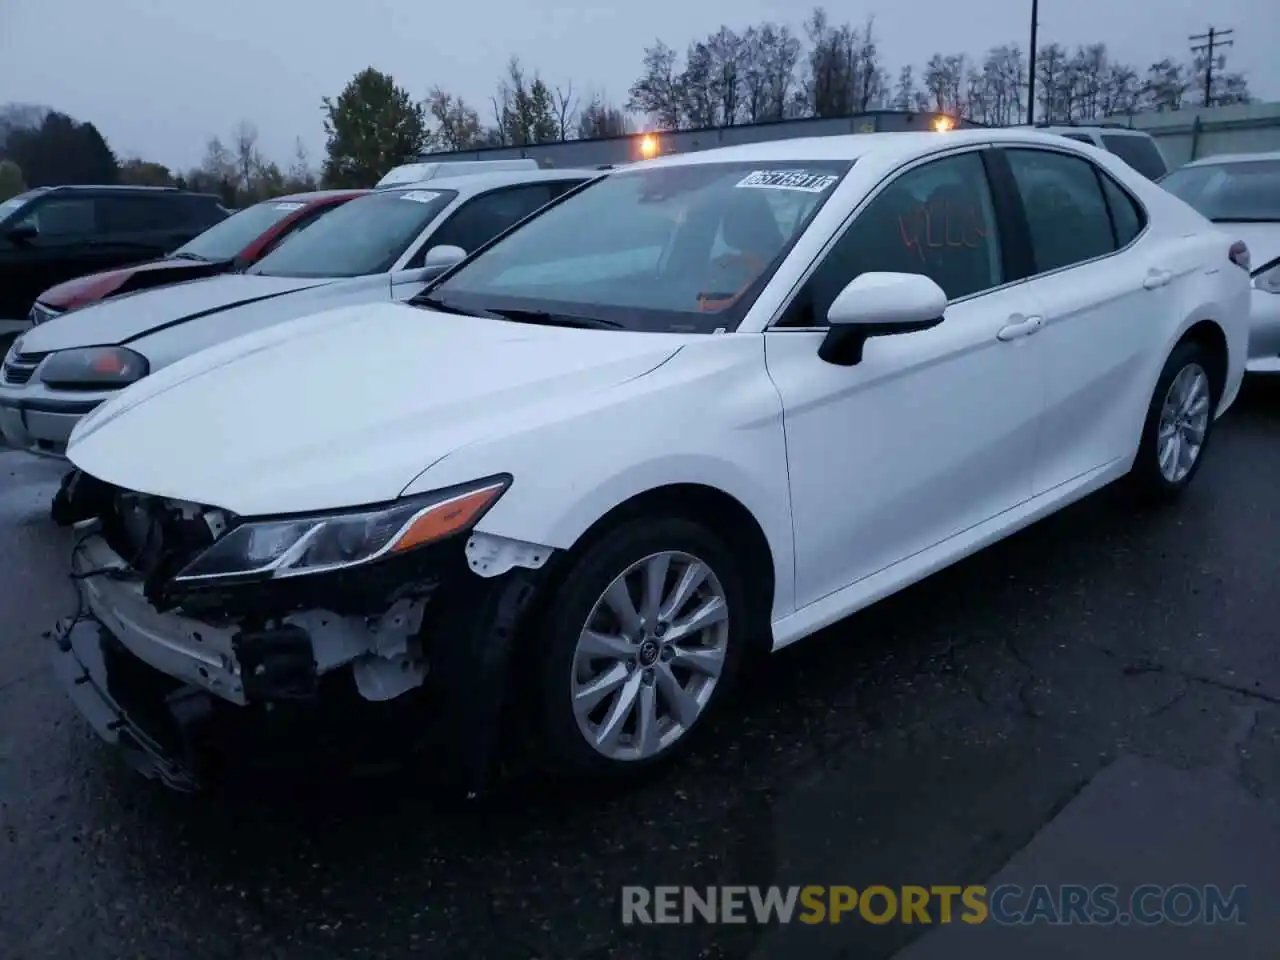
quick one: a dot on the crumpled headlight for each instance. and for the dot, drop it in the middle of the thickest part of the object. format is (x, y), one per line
(89, 367)
(292, 546)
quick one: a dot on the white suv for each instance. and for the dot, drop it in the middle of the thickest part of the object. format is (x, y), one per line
(1135, 147)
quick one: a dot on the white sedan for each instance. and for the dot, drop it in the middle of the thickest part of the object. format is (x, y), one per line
(1241, 193)
(699, 409)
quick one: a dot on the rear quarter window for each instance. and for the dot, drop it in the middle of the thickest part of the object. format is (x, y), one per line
(1139, 152)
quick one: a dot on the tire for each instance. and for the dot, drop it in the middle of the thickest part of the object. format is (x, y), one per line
(1188, 367)
(652, 665)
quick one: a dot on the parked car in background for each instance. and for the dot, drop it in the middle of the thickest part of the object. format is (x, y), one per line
(383, 246)
(52, 234)
(236, 243)
(1241, 193)
(701, 407)
(1135, 147)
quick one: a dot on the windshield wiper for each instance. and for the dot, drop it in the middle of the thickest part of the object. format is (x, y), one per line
(183, 255)
(550, 319)
(444, 306)
(1245, 219)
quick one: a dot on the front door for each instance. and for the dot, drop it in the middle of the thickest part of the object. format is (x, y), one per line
(932, 432)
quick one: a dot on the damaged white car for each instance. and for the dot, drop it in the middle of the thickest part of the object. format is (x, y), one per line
(702, 407)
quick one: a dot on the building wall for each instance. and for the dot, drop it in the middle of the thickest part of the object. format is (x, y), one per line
(1185, 135)
(590, 153)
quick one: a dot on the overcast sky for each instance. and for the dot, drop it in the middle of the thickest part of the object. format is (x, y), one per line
(159, 77)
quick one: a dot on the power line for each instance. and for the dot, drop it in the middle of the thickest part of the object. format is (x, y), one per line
(1212, 40)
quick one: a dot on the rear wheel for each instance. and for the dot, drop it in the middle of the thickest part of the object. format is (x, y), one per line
(644, 638)
(1178, 426)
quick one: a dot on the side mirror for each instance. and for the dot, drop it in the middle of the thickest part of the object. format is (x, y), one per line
(879, 305)
(444, 256)
(22, 232)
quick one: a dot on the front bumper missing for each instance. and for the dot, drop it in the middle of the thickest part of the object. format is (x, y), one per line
(204, 676)
(80, 657)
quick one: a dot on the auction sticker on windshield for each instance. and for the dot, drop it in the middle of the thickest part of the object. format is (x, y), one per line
(290, 206)
(419, 196)
(788, 180)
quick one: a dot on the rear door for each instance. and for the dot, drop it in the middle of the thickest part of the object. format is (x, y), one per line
(1103, 281)
(138, 227)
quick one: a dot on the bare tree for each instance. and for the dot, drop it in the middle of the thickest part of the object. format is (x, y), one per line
(656, 93)
(770, 54)
(600, 119)
(566, 110)
(244, 146)
(1165, 85)
(457, 123)
(301, 177)
(523, 108)
(904, 91)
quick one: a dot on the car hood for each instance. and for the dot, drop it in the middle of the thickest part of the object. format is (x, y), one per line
(1262, 239)
(141, 276)
(344, 407)
(123, 318)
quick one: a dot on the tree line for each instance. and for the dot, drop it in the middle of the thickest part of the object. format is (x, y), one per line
(764, 72)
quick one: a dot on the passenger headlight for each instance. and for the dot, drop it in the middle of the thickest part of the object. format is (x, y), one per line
(1268, 279)
(88, 367)
(272, 549)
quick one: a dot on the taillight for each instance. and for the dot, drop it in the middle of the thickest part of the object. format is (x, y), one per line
(1239, 255)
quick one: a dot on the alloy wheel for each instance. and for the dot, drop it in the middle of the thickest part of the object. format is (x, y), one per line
(1184, 421)
(650, 656)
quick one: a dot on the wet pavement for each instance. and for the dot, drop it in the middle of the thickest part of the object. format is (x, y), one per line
(1018, 715)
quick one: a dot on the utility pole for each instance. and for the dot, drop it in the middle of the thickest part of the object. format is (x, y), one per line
(1031, 65)
(1211, 41)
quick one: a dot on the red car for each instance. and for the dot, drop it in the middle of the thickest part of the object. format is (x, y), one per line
(233, 244)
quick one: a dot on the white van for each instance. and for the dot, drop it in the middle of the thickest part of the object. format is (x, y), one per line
(1134, 147)
(414, 172)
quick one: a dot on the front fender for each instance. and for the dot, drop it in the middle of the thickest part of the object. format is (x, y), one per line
(710, 416)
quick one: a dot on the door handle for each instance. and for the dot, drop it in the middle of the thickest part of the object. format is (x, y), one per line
(1019, 327)
(1156, 278)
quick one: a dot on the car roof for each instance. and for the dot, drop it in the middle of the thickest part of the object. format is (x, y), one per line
(852, 146)
(469, 183)
(1221, 158)
(318, 196)
(123, 188)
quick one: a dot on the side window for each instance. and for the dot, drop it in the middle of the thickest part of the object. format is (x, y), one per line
(65, 217)
(136, 214)
(1126, 216)
(560, 187)
(1139, 152)
(478, 221)
(937, 220)
(1065, 209)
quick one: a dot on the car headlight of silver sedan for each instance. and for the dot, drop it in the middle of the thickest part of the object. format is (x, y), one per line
(293, 546)
(88, 368)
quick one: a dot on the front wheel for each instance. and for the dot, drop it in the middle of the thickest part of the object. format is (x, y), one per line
(644, 637)
(1178, 426)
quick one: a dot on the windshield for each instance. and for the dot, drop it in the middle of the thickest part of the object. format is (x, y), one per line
(363, 236)
(673, 248)
(14, 204)
(227, 238)
(1243, 191)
